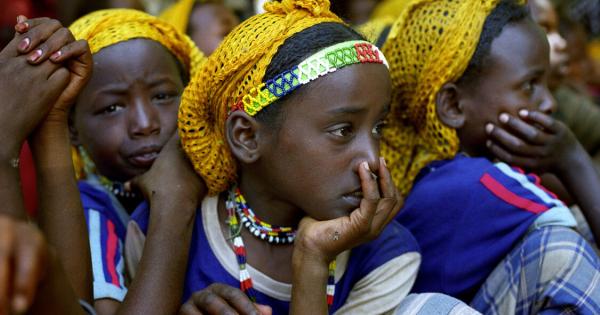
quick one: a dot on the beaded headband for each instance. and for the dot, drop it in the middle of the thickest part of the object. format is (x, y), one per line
(325, 61)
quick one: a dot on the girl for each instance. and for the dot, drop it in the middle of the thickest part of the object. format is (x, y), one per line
(120, 122)
(490, 234)
(283, 123)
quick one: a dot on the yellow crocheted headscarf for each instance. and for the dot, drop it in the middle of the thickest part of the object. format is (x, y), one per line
(237, 66)
(178, 14)
(430, 44)
(109, 27)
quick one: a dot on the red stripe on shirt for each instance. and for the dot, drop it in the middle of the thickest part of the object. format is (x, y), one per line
(111, 252)
(511, 198)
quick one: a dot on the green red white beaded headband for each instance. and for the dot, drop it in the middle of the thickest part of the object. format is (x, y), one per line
(325, 61)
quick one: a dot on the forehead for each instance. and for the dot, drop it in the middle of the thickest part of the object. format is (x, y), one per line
(362, 86)
(130, 60)
(521, 46)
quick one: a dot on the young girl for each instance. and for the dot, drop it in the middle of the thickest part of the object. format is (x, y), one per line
(283, 123)
(459, 70)
(121, 121)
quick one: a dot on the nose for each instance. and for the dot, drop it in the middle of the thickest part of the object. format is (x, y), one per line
(548, 104)
(368, 151)
(144, 119)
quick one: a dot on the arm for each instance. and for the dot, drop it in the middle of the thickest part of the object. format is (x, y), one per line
(318, 243)
(173, 191)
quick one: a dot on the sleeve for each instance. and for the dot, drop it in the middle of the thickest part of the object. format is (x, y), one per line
(525, 192)
(382, 290)
(108, 265)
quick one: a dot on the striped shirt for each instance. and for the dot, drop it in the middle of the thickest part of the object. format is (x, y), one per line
(467, 214)
(107, 223)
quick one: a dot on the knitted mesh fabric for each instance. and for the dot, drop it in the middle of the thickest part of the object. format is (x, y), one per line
(109, 27)
(374, 28)
(238, 65)
(430, 44)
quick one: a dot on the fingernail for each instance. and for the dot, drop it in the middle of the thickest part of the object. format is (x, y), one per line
(19, 304)
(35, 55)
(504, 117)
(488, 143)
(24, 44)
(489, 128)
(21, 19)
(56, 54)
(366, 166)
(383, 161)
(524, 113)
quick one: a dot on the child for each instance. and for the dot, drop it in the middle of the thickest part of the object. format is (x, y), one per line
(207, 22)
(457, 67)
(269, 151)
(121, 121)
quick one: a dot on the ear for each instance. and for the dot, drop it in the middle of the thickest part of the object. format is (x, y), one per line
(242, 135)
(449, 107)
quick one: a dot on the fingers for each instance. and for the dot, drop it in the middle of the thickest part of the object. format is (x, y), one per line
(524, 130)
(52, 46)
(546, 121)
(39, 30)
(189, 308)
(510, 158)
(235, 298)
(28, 270)
(511, 142)
(264, 309)
(368, 204)
(220, 299)
(72, 50)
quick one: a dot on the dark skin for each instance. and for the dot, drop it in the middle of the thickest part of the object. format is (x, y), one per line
(341, 116)
(209, 23)
(134, 102)
(31, 275)
(515, 125)
(59, 205)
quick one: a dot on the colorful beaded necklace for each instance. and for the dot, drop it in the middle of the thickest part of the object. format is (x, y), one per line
(236, 206)
(117, 188)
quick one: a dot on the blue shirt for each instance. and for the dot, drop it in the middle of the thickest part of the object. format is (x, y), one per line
(211, 260)
(467, 214)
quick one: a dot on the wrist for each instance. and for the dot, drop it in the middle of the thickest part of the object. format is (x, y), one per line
(572, 163)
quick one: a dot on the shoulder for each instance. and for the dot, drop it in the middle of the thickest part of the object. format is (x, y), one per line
(93, 196)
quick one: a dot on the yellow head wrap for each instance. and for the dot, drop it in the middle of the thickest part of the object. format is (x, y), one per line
(178, 14)
(237, 66)
(108, 27)
(430, 44)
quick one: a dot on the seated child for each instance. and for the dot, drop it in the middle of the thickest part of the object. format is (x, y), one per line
(207, 22)
(119, 124)
(458, 70)
(283, 123)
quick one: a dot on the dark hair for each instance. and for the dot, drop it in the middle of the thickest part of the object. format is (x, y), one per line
(507, 11)
(295, 49)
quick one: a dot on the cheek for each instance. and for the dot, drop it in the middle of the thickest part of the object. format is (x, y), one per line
(168, 119)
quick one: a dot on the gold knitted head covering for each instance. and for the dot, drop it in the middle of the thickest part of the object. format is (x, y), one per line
(237, 66)
(430, 44)
(109, 27)
(178, 14)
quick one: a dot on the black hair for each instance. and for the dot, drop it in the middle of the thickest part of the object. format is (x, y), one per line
(295, 49)
(506, 12)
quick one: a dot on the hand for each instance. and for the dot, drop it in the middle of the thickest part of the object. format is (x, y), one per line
(172, 176)
(534, 141)
(27, 93)
(23, 261)
(43, 39)
(222, 299)
(323, 240)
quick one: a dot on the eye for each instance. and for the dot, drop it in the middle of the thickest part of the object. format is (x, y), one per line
(529, 86)
(378, 129)
(111, 108)
(343, 131)
(161, 97)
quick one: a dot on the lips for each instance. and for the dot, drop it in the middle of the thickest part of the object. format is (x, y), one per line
(145, 156)
(353, 198)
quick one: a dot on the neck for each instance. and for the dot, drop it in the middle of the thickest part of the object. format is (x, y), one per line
(267, 204)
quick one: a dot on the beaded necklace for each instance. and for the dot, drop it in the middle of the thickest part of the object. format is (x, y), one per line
(117, 188)
(236, 206)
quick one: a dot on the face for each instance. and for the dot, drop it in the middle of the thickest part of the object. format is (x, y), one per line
(209, 24)
(359, 11)
(514, 77)
(128, 110)
(329, 127)
(544, 14)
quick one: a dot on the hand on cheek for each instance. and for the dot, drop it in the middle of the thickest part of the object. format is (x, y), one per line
(533, 140)
(322, 241)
